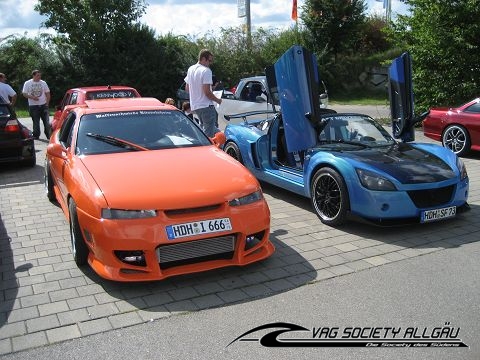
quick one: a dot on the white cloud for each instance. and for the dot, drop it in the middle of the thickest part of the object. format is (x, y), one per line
(179, 17)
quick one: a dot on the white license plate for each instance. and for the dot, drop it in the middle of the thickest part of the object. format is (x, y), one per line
(438, 214)
(198, 228)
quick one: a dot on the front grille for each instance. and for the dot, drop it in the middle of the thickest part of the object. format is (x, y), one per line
(196, 251)
(431, 197)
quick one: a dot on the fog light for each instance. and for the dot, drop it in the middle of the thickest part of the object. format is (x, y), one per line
(134, 257)
(253, 240)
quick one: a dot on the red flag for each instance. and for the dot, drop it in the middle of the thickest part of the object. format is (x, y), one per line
(294, 10)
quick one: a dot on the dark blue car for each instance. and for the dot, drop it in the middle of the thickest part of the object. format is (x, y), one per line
(348, 164)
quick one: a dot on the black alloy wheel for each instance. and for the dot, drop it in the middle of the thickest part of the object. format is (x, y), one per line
(232, 149)
(329, 196)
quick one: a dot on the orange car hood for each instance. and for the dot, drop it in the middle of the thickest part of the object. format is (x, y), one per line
(169, 178)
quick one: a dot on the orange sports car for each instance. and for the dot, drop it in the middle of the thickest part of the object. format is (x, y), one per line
(77, 96)
(148, 195)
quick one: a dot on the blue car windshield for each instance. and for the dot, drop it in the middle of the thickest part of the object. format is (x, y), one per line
(353, 129)
(137, 130)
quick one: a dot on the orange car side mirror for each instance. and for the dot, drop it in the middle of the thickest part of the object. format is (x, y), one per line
(219, 139)
(56, 150)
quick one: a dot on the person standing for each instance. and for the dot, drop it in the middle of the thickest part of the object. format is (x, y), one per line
(199, 86)
(6, 91)
(38, 94)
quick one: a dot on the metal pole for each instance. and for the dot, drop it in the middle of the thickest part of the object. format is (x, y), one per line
(249, 24)
(389, 10)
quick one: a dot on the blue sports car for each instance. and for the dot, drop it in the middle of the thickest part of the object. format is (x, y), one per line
(348, 164)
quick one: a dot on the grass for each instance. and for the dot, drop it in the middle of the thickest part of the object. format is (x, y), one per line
(353, 99)
(358, 101)
(23, 113)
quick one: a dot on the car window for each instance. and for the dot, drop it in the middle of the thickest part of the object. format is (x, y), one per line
(353, 128)
(73, 99)
(152, 129)
(251, 90)
(110, 94)
(65, 133)
(65, 100)
(4, 111)
(474, 108)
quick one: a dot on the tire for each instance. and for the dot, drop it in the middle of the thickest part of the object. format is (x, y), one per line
(457, 139)
(329, 197)
(79, 248)
(232, 149)
(32, 161)
(48, 183)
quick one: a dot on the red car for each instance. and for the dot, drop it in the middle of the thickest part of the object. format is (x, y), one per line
(457, 128)
(77, 96)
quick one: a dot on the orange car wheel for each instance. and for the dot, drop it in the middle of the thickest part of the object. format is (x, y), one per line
(48, 181)
(79, 248)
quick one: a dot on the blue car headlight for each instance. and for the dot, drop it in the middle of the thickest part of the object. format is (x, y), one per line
(248, 199)
(462, 169)
(127, 214)
(373, 181)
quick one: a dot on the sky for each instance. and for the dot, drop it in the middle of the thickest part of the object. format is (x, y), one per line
(180, 17)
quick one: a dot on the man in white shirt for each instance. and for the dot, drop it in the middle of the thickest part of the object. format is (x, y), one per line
(38, 94)
(199, 86)
(6, 92)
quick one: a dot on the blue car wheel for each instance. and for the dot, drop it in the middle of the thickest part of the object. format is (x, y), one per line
(329, 196)
(232, 149)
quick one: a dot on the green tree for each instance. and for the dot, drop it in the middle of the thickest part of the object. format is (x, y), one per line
(20, 55)
(235, 60)
(334, 25)
(91, 30)
(442, 37)
(102, 42)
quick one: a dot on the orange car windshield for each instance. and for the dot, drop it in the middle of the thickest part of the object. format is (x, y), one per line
(150, 129)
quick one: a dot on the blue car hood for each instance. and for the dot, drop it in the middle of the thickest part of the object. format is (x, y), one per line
(407, 164)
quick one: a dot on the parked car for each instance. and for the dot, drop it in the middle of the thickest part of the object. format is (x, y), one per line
(148, 195)
(17, 144)
(348, 164)
(78, 96)
(252, 94)
(458, 128)
(248, 89)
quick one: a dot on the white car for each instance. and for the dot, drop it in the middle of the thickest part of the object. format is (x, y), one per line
(251, 95)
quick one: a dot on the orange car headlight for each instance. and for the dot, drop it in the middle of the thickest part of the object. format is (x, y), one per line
(127, 214)
(248, 199)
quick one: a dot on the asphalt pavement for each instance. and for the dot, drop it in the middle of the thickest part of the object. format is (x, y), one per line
(419, 277)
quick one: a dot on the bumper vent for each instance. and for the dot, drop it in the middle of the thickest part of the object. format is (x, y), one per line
(431, 197)
(192, 210)
(196, 251)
